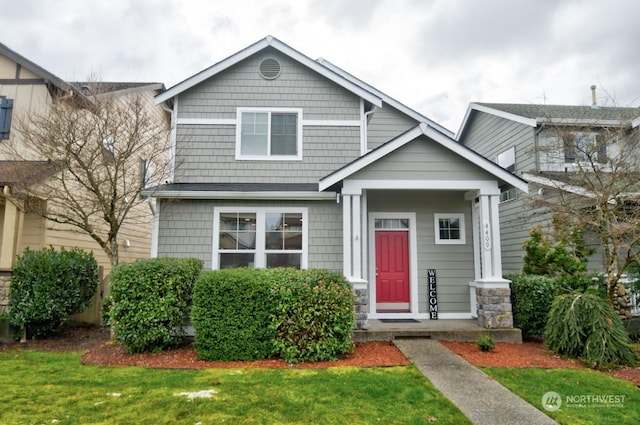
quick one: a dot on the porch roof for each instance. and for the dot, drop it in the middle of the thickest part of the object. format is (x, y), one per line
(438, 137)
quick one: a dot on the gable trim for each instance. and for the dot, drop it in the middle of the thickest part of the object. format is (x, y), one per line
(273, 42)
(446, 142)
(506, 115)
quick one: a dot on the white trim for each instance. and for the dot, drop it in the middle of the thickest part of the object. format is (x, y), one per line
(260, 250)
(489, 187)
(436, 229)
(420, 316)
(258, 195)
(386, 99)
(413, 259)
(545, 181)
(346, 236)
(173, 138)
(268, 41)
(434, 136)
(155, 227)
(207, 121)
(531, 122)
(331, 123)
(635, 122)
(268, 156)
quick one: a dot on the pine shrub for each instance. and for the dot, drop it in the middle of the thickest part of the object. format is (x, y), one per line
(584, 326)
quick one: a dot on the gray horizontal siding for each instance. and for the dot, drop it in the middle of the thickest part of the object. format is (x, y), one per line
(186, 230)
(490, 135)
(386, 124)
(453, 263)
(423, 159)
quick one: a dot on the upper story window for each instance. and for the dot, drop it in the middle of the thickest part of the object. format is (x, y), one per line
(507, 159)
(584, 147)
(6, 107)
(269, 134)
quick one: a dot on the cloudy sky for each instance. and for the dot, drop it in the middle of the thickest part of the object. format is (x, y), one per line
(435, 56)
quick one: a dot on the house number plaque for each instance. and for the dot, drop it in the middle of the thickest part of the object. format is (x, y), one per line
(433, 295)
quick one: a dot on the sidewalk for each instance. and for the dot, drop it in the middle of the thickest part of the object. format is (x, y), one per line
(483, 400)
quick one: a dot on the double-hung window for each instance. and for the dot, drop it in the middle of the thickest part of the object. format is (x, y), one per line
(260, 237)
(271, 134)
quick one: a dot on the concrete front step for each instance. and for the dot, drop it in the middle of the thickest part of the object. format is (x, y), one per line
(448, 330)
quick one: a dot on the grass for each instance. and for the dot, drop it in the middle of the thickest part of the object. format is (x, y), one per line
(39, 388)
(571, 384)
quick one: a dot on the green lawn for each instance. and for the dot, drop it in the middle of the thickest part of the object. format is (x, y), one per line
(587, 396)
(46, 388)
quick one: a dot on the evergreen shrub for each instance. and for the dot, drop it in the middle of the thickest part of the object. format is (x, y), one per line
(231, 315)
(532, 296)
(585, 326)
(150, 300)
(48, 285)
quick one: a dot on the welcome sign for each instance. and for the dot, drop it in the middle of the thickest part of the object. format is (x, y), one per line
(433, 294)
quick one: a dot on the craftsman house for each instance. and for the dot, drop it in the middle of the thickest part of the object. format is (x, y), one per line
(545, 145)
(285, 161)
(27, 88)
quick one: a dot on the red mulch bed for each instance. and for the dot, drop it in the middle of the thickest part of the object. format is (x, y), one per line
(528, 354)
(99, 350)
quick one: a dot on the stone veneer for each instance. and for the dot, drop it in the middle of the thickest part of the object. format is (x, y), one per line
(494, 307)
(361, 308)
(622, 301)
(4, 293)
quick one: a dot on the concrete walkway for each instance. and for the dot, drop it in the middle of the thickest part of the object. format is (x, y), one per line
(483, 400)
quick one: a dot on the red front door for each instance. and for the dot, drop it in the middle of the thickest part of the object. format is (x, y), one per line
(392, 271)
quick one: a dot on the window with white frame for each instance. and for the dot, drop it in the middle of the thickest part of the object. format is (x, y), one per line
(260, 237)
(507, 159)
(449, 229)
(584, 147)
(269, 134)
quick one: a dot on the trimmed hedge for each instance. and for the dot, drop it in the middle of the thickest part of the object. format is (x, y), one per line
(150, 300)
(48, 285)
(249, 314)
(231, 314)
(532, 296)
(314, 317)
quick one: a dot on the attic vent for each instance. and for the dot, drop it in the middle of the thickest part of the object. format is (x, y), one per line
(270, 69)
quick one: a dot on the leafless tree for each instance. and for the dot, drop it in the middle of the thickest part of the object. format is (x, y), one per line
(596, 189)
(105, 150)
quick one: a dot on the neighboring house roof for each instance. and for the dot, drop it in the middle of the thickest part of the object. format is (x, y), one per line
(46, 76)
(435, 135)
(302, 191)
(283, 48)
(89, 88)
(533, 115)
(23, 174)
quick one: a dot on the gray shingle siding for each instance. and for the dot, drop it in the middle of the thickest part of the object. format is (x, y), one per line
(186, 229)
(386, 124)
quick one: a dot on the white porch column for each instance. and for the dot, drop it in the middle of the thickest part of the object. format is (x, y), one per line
(346, 236)
(352, 237)
(493, 294)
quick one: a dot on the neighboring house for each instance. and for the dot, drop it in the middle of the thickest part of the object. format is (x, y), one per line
(281, 160)
(545, 145)
(24, 88)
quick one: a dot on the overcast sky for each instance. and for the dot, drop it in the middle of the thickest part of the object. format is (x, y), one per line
(434, 56)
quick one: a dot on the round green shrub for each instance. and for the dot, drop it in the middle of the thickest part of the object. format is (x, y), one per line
(48, 285)
(231, 314)
(150, 300)
(585, 326)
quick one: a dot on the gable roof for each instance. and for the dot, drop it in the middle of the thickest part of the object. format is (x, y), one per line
(386, 99)
(276, 44)
(532, 114)
(98, 88)
(437, 137)
(47, 76)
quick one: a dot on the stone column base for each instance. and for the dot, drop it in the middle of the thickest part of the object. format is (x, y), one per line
(494, 307)
(362, 308)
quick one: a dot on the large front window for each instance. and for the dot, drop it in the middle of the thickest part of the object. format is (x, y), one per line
(260, 238)
(269, 134)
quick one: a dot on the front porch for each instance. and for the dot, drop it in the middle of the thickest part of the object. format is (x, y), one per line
(447, 329)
